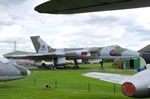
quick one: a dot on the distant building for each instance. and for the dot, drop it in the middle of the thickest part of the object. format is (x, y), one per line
(11, 54)
(134, 63)
(22, 62)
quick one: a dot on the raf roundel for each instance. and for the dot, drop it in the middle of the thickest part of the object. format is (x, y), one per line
(112, 53)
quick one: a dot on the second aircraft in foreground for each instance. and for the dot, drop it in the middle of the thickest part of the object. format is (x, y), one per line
(137, 85)
(11, 71)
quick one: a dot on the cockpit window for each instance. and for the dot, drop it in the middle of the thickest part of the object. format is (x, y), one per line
(4, 60)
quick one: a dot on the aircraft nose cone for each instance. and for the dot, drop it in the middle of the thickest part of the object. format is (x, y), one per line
(22, 70)
(130, 53)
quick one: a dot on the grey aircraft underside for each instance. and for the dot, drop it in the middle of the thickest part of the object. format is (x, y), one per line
(11, 71)
(82, 6)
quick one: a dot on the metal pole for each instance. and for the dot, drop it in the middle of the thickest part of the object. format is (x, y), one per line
(114, 88)
(89, 87)
(34, 80)
(55, 84)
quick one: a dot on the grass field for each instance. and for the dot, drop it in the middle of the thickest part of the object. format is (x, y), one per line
(65, 84)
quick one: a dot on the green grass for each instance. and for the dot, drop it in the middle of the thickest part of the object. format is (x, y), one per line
(95, 66)
(70, 85)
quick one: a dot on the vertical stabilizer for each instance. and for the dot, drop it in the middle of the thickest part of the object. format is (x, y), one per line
(40, 46)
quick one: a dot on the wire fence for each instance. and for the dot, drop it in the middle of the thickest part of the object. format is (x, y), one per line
(83, 86)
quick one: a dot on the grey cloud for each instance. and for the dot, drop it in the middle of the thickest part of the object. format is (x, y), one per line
(6, 42)
(136, 28)
(6, 22)
(83, 34)
(87, 39)
(9, 11)
(7, 45)
(87, 36)
(11, 2)
(96, 20)
(145, 39)
(86, 42)
(11, 40)
(145, 35)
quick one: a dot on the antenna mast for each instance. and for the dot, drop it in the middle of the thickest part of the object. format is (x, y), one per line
(14, 45)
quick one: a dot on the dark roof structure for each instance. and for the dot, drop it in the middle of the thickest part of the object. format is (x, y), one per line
(145, 53)
(16, 53)
(145, 49)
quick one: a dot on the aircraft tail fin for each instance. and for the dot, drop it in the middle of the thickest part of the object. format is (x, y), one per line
(40, 45)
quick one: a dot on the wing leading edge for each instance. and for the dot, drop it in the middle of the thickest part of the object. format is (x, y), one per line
(81, 6)
(114, 78)
(48, 56)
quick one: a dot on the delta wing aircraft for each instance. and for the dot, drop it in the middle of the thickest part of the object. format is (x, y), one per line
(82, 6)
(137, 85)
(59, 56)
(11, 71)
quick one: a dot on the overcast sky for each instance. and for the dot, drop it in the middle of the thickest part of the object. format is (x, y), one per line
(19, 21)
